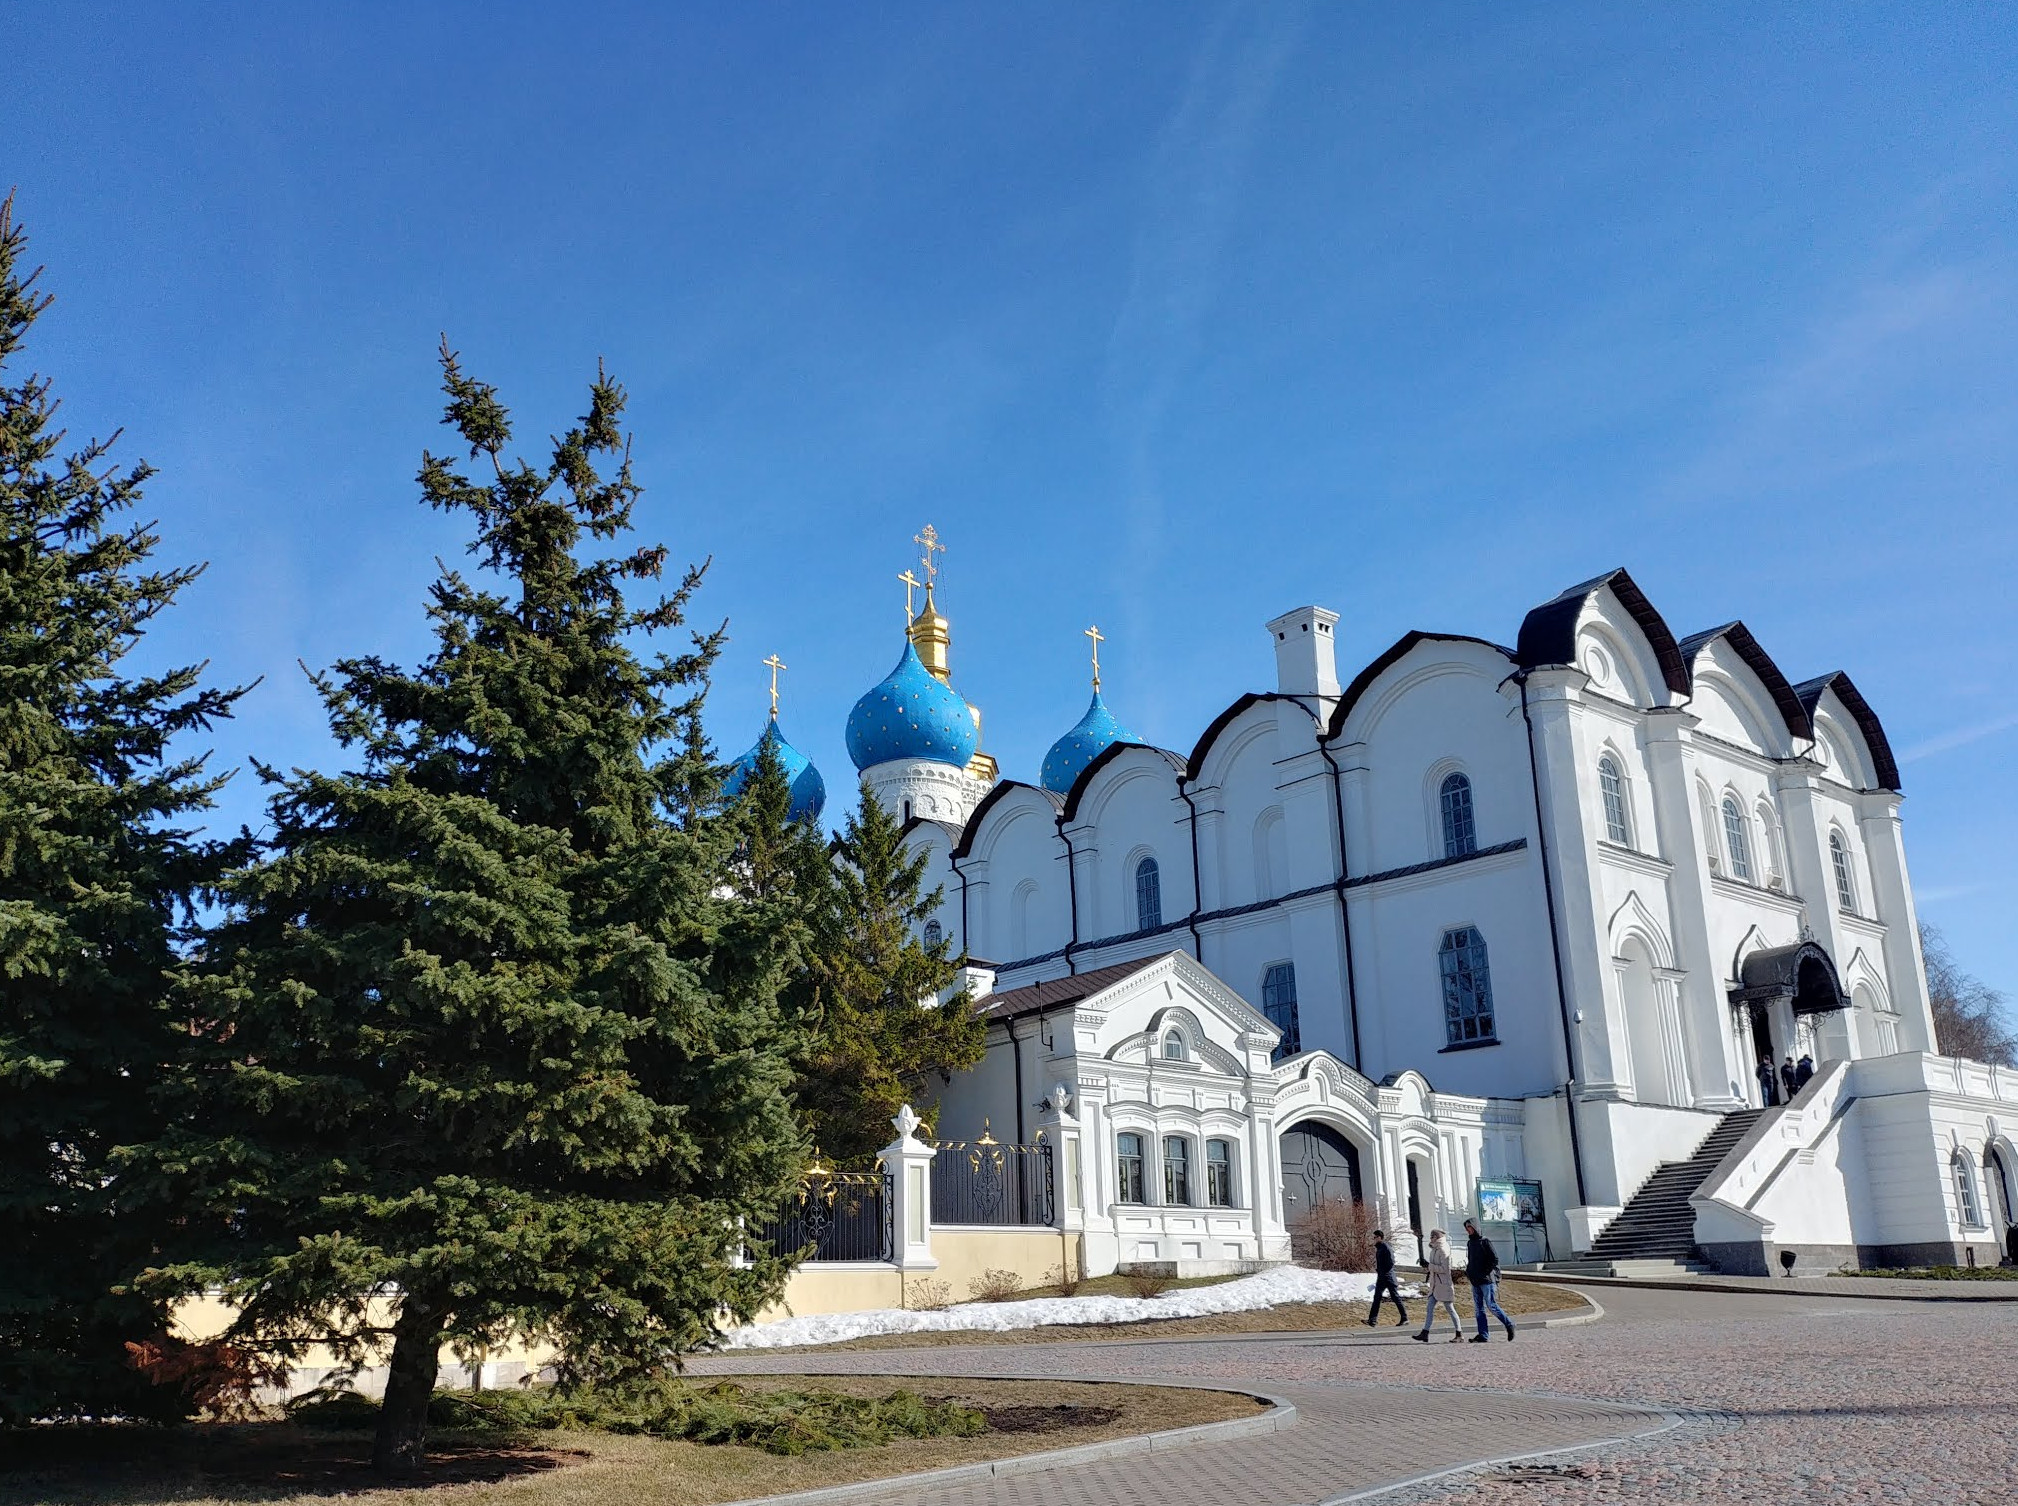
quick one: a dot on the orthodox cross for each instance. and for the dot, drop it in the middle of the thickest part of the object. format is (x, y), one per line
(911, 583)
(929, 542)
(774, 664)
(1098, 638)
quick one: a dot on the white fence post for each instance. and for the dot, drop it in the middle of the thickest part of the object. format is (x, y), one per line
(908, 1162)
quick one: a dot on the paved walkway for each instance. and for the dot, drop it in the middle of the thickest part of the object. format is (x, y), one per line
(1783, 1400)
(1895, 1288)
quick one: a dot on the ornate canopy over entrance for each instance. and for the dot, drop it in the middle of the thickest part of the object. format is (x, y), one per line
(1802, 973)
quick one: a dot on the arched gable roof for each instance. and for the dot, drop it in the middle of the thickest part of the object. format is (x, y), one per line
(1403, 646)
(1803, 972)
(1002, 791)
(1810, 694)
(1224, 720)
(951, 831)
(1106, 756)
(1549, 633)
(1746, 647)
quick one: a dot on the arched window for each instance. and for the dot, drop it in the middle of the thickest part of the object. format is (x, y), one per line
(1467, 987)
(1148, 895)
(1707, 804)
(1219, 1173)
(1738, 839)
(1173, 1047)
(1278, 1002)
(1769, 844)
(934, 933)
(1460, 836)
(1846, 886)
(1176, 1171)
(1612, 784)
(1966, 1205)
(1128, 1168)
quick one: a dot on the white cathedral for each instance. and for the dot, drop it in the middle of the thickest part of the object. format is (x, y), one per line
(1522, 934)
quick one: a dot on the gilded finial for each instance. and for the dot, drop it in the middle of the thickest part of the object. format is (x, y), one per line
(911, 583)
(1098, 638)
(928, 541)
(774, 664)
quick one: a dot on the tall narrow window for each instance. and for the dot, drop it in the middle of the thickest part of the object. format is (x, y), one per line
(1966, 1205)
(1148, 895)
(1467, 987)
(1460, 836)
(1176, 1171)
(1278, 1002)
(1128, 1168)
(1173, 1047)
(1846, 887)
(1737, 839)
(934, 933)
(1219, 1173)
(1613, 786)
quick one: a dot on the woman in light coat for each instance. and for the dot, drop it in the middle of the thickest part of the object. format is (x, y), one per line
(1440, 1288)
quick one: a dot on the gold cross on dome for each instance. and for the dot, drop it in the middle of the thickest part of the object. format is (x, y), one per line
(929, 542)
(774, 664)
(1098, 638)
(911, 583)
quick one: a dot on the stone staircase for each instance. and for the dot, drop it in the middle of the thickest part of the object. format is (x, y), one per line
(1655, 1233)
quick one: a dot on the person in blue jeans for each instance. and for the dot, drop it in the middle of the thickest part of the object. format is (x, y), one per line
(1481, 1269)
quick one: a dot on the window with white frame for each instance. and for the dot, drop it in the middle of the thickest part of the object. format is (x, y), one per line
(1738, 839)
(1176, 1171)
(1219, 1173)
(1846, 883)
(1278, 1003)
(1612, 785)
(1707, 803)
(1467, 987)
(1148, 895)
(934, 933)
(1460, 833)
(1769, 841)
(1128, 1186)
(1967, 1206)
(1173, 1047)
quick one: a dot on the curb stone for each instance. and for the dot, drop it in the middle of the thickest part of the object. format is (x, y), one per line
(1788, 1288)
(1281, 1415)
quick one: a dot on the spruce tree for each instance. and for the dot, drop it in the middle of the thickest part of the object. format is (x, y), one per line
(873, 1040)
(98, 872)
(492, 1033)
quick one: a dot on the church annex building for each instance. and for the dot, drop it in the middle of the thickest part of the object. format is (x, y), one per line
(1483, 931)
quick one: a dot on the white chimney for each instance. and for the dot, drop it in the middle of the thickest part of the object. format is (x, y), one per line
(1306, 659)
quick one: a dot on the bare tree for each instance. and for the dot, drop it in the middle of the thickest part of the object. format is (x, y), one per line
(1969, 1015)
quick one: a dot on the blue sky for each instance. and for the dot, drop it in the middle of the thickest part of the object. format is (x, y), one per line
(1169, 317)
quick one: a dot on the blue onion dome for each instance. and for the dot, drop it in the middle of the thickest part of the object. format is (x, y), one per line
(809, 790)
(912, 716)
(1097, 731)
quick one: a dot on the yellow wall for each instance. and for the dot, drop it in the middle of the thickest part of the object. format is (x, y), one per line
(818, 1288)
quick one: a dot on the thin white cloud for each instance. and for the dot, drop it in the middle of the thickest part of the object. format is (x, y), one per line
(1944, 892)
(1959, 738)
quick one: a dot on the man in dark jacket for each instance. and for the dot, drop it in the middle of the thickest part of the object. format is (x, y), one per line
(1481, 1269)
(1803, 1070)
(1787, 1070)
(1383, 1281)
(1769, 1086)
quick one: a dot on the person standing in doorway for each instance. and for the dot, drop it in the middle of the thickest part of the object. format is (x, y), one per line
(1481, 1269)
(1440, 1287)
(1788, 1072)
(1803, 1070)
(1769, 1086)
(1383, 1281)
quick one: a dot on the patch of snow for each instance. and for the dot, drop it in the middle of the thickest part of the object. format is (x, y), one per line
(1270, 1288)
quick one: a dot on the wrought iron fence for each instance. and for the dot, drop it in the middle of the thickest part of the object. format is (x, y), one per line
(842, 1215)
(986, 1182)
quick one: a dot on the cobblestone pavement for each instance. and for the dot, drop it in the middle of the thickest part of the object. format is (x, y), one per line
(1863, 1287)
(1783, 1399)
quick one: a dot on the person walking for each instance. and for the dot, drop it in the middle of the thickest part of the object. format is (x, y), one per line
(1481, 1269)
(1769, 1085)
(1803, 1071)
(1439, 1288)
(1788, 1072)
(1383, 1281)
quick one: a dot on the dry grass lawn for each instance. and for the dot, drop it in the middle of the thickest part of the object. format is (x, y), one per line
(280, 1463)
(1516, 1297)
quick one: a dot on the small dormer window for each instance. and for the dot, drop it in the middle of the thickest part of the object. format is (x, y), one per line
(1173, 1048)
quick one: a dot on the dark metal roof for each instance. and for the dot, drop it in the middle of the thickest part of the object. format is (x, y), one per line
(1058, 992)
(1549, 633)
(1363, 681)
(988, 802)
(1792, 712)
(1810, 694)
(1221, 722)
(1781, 971)
(1106, 756)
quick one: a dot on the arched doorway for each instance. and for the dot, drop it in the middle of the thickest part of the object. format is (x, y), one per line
(1998, 1175)
(1319, 1165)
(1646, 1034)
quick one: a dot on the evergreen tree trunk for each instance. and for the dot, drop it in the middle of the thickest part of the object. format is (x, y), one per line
(409, 1387)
